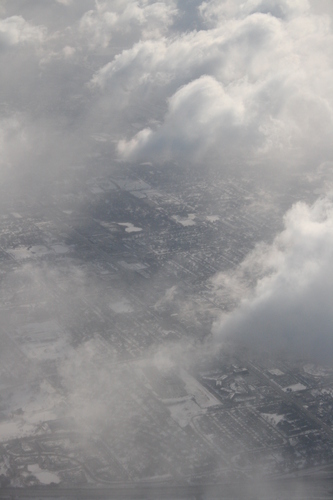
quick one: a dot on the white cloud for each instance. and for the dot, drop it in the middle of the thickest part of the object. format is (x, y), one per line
(200, 113)
(133, 19)
(278, 71)
(290, 306)
(15, 30)
(215, 11)
(253, 86)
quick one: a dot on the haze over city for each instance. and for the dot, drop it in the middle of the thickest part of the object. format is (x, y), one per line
(166, 249)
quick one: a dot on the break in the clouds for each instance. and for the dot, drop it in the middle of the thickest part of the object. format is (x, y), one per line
(289, 309)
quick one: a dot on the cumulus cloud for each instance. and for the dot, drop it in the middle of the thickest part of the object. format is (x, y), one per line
(15, 30)
(267, 64)
(214, 11)
(133, 20)
(251, 84)
(289, 308)
(193, 127)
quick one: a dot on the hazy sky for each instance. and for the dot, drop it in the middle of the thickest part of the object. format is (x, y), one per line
(212, 84)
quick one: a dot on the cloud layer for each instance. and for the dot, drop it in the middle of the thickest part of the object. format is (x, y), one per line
(253, 85)
(247, 81)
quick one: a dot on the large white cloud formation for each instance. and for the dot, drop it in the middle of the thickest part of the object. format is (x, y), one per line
(130, 20)
(217, 82)
(272, 60)
(290, 307)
